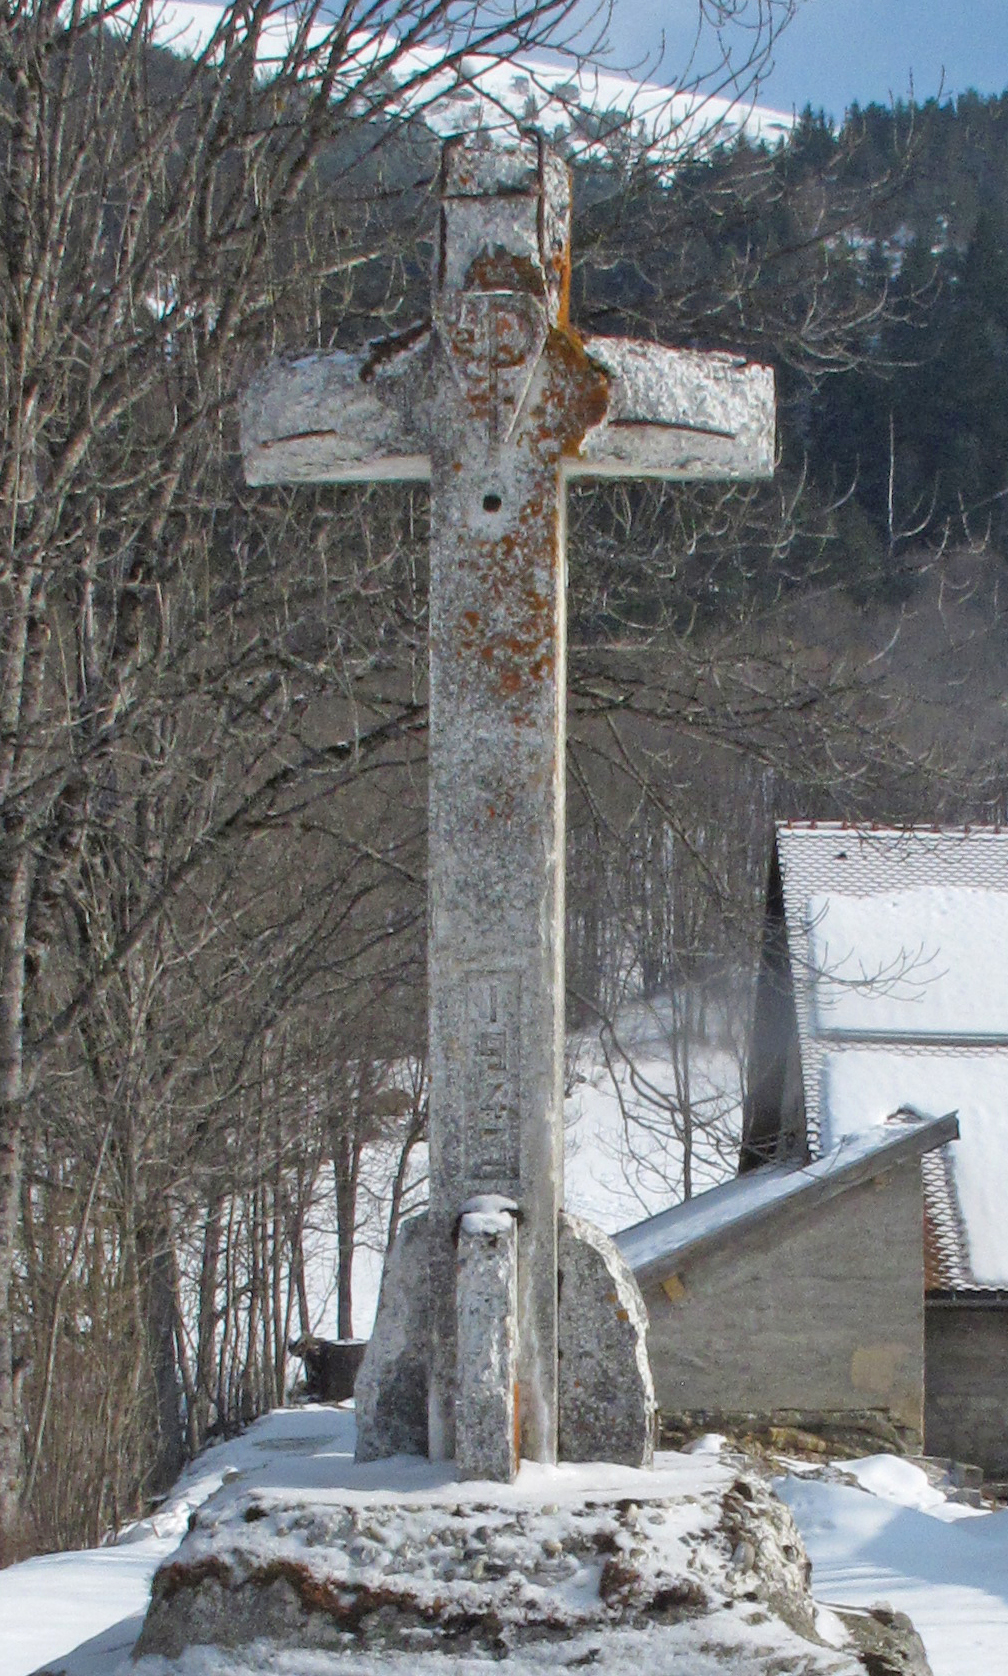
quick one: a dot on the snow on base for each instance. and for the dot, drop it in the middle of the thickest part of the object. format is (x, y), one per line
(892, 1537)
(643, 1570)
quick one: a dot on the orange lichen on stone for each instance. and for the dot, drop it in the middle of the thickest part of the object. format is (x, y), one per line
(504, 270)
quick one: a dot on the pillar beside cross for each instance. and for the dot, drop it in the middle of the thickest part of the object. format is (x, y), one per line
(499, 402)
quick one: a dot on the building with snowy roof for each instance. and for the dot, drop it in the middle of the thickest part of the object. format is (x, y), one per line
(883, 987)
(793, 1296)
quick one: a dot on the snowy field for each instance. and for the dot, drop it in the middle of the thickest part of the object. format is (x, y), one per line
(489, 91)
(890, 1536)
(893, 1537)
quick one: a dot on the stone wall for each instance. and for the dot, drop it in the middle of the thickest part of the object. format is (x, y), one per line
(966, 1403)
(824, 1316)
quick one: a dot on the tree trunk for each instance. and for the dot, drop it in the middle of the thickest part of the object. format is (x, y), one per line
(12, 968)
(10, 1419)
(346, 1168)
(159, 1290)
(206, 1377)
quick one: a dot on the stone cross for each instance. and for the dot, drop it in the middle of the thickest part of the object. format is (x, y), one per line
(499, 402)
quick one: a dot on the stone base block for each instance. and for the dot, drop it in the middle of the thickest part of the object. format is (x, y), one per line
(606, 1393)
(694, 1567)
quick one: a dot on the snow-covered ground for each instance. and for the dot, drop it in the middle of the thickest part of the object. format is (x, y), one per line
(894, 1537)
(890, 1535)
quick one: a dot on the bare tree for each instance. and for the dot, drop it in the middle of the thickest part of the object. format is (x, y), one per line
(154, 235)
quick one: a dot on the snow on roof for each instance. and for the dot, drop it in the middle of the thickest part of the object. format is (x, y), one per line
(862, 1082)
(898, 944)
(710, 1218)
(909, 964)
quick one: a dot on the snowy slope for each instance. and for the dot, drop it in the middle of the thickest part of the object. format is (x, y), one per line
(493, 92)
(895, 1538)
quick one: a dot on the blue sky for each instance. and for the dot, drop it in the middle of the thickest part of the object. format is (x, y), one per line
(838, 51)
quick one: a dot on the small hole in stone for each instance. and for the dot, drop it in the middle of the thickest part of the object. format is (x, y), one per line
(491, 503)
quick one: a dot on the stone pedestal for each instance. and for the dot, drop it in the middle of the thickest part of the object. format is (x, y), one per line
(390, 1393)
(607, 1399)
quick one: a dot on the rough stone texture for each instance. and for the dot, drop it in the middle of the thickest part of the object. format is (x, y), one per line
(665, 1581)
(500, 402)
(679, 413)
(486, 1293)
(606, 1395)
(830, 1434)
(887, 1641)
(514, 393)
(607, 1399)
(745, 1329)
(391, 1388)
(966, 1381)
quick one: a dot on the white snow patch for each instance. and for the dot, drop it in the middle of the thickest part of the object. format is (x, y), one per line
(830, 1628)
(861, 1085)
(946, 1570)
(711, 1443)
(911, 963)
(900, 1482)
(488, 1213)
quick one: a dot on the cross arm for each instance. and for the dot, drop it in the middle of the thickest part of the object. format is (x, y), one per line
(679, 413)
(338, 418)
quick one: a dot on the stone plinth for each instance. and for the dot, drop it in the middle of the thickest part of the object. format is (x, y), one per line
(694, 1567)
(390, 1394)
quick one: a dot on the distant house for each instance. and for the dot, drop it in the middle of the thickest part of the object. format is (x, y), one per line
(794, 1295)
(884, 987)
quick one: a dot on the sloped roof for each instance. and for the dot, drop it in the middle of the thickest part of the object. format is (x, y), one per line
(898, 949)
(654, 1246)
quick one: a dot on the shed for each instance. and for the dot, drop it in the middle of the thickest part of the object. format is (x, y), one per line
(884, 985)
(795, 1293)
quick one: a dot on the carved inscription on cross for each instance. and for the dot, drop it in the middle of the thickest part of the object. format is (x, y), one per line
(499, 403)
